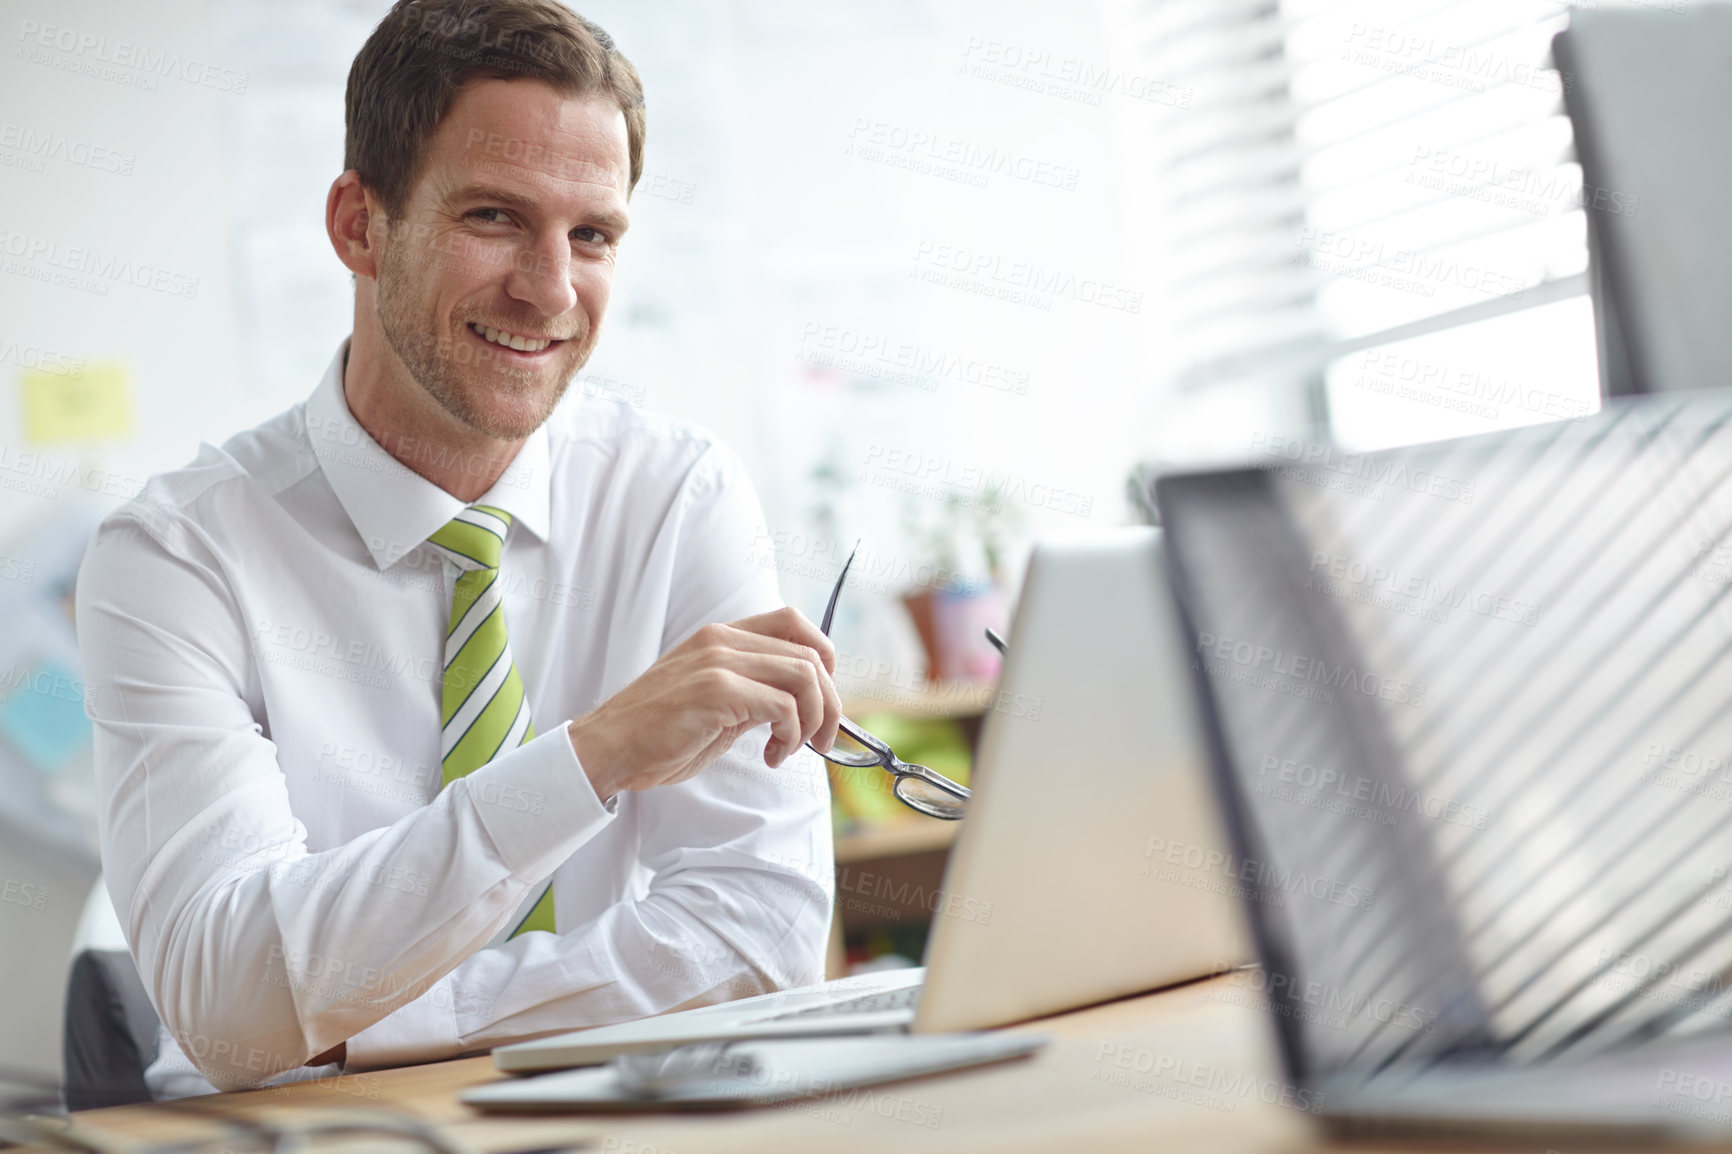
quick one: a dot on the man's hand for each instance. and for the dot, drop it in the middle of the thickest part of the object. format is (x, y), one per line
(689, 707)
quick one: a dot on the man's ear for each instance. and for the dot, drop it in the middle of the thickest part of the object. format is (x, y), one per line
(348, 214)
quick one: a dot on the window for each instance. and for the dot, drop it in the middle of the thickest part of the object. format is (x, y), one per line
(1374, 210)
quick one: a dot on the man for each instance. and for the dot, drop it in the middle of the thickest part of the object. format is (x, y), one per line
(348, 819)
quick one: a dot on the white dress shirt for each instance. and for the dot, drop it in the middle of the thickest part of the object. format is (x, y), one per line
(262, 632)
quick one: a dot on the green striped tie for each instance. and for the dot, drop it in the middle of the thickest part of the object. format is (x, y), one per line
(485, 711)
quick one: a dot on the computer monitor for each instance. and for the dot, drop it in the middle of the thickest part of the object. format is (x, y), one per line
(1647, 89)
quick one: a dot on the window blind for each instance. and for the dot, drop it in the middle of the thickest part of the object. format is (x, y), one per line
(1350, 175)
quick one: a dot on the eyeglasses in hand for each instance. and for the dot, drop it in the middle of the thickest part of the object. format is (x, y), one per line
(921, 789)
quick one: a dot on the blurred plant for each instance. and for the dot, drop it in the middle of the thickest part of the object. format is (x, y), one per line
(830, 482)
(979, 526)
(996, 522)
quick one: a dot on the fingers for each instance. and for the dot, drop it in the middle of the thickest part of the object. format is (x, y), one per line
(817, 709)
(789, 624)
(721, 681)
(737, 638)
(752, 702)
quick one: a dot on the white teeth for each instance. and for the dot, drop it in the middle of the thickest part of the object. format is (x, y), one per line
(510, 341)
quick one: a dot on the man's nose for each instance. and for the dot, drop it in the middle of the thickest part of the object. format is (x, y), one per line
(541, 276)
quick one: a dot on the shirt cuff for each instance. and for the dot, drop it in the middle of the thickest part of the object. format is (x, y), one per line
(538, 805)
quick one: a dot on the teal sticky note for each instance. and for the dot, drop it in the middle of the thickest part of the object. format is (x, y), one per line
(43, 715)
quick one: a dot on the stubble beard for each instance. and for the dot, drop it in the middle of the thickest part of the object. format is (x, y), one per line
(435, 367)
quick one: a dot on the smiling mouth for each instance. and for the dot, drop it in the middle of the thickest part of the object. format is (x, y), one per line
(513, 341)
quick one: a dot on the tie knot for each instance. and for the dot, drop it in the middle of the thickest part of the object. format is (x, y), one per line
(475, 537)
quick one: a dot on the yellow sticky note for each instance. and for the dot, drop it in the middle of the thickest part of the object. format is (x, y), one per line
(93, 403)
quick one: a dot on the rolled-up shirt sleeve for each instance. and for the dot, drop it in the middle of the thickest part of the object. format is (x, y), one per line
(256, 953)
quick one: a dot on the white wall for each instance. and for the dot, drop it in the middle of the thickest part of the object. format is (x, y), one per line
(753, 225)
(170, 212)
(761, 246)
(801, 243)
(167, 207)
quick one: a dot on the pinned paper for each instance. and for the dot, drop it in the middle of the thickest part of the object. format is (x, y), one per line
(91, 404)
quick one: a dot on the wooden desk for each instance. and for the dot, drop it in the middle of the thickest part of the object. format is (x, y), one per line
(1083, 1092)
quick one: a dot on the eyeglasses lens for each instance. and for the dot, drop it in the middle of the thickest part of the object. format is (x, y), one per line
(929, 799)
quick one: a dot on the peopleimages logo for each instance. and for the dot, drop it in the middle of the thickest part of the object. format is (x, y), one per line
(880, 357)
(1333, 568)
(352, 659)
(1383, 799)
(16, 678)
(1182, 1078)
(1411, 270)
(43, 360)
(921, 149)
(1540, 191)
(1298, 667)
(89, 52)
(1375, 472)
(1467, 390)
(951, 481)
(1323, 1004)
(89, 269)
(1470, 66)
(26, 894)
(1042, 284)
(36, 145)
(1197, 859)
(1067, 77)
(900, 894)
(1691, 762)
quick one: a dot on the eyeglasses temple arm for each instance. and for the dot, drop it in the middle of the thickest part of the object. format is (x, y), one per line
(864, 738)
(830, 609)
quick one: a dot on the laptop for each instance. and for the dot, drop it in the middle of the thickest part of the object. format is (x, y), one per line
(1468, 720)
(1089, 866)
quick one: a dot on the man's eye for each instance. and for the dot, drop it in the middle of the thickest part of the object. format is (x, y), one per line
(491, 216)
(589, 235)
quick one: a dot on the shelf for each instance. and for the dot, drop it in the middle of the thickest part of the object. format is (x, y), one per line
(895, 839)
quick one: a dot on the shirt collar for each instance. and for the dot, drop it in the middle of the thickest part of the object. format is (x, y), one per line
(394, 508)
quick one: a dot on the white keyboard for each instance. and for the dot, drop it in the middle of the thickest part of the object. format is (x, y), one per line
(903, 999)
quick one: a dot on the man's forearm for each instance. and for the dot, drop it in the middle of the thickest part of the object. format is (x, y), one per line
(673, 949)
(320, 946)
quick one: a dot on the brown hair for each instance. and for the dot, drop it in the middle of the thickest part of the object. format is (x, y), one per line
(406, 75)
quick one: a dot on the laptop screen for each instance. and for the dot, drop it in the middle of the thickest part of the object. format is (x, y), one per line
(1472, 712)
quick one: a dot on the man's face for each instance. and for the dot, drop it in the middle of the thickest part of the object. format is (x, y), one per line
(493, 280)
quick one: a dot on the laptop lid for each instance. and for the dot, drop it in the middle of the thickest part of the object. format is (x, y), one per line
(1090, 776)
(1467, 708)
